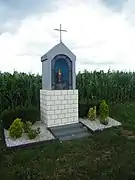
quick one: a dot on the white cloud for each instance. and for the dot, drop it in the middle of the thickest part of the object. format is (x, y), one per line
(99, 37)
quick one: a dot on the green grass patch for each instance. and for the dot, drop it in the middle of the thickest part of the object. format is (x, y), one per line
(107, 155)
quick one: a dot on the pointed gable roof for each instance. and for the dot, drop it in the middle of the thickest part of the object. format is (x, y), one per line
(60, 48)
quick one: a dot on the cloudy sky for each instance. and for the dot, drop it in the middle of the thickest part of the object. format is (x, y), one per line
(101, 33)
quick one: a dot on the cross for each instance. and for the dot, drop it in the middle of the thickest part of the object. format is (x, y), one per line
(60, 32)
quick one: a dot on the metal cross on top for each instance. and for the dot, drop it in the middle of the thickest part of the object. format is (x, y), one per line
(60, 32)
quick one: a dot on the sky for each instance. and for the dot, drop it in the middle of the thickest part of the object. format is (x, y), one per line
(101, 33)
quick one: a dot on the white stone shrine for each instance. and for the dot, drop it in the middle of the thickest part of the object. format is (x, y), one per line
(59, 96)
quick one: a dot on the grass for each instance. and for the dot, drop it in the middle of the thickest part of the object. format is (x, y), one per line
(108, 155)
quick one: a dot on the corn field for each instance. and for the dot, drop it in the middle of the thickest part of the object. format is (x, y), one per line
(114, 87)
(23, 89)
(19, 89)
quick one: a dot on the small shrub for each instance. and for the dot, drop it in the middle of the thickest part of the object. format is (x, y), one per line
(33, 133)
(84, 108)
(104, 112)
(92, 113)
(27, 126)
(16, 128)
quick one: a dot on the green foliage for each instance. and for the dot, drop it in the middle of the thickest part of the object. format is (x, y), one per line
(24, 113)
(16, 128)
(92, 113)
(84, 108)
(27, 126)
(19, 89)
(104, 112)
(33, 133)
(114, 87)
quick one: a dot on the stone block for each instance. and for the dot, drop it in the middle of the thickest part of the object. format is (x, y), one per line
(48, 93)
(49, 112)
(67, 106)
(48, 117)
(48, 108)
(54, 98)
(54, 116)
(71, 110)
(73, 97)
(53, 107)
(69, 119)
(64, 111)
(66, 97)
(60, 97)
(57, 92)
(64, 92)
(62, 107)
(75, 92)
(51, 123)
(75, 114)
(47, 98)
(49, 103)
(74, 105)
(75, 101)
(57, 102)
(59, 107)
(57, 111)
(72, 119)
(64, 120)
(70, 101)
(75, 110)
(64, 102)
(69, 97)
(70, 92)
(58, 122)
(61, 116)
(66, 115)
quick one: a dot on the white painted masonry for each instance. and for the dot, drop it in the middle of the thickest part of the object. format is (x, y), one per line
(59, 107)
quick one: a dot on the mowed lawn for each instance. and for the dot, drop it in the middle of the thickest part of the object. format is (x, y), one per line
(108, 155)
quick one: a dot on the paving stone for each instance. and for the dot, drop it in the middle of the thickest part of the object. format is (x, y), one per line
(71, 131)
(63, 132)
(74, 125)
(74, 136)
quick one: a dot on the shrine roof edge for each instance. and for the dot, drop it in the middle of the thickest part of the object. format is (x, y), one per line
(44, 57)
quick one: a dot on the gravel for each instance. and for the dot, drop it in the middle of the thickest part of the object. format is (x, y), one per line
(46, 135)
(43, 136)
(96, 125)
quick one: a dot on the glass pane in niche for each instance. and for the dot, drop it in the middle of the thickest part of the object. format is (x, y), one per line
(62, 74)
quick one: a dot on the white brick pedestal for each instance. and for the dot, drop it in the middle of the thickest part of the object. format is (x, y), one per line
(59, 107)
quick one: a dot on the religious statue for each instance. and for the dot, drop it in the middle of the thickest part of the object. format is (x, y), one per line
(60, 84)
(59, 75)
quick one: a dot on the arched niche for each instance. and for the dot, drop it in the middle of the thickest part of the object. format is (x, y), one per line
(63, 63)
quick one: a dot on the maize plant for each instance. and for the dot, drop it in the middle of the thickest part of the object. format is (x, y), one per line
(114, 87)
(24, 89)
(19, 89)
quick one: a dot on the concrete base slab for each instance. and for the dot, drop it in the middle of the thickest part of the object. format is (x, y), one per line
(96, 125)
